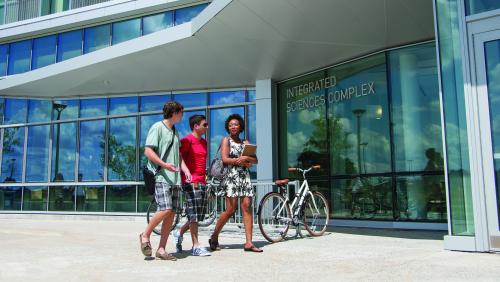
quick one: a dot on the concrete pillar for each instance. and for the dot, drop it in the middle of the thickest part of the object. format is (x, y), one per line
(265, 118)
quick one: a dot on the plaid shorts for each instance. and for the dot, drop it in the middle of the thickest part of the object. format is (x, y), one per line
(196, 202)
(167, 196)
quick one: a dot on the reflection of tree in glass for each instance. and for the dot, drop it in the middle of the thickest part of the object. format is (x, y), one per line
(315, 149)
(339, 146)
(10, 141)
(121, 158)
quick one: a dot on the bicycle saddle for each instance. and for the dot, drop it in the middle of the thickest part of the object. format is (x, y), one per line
(281, 182)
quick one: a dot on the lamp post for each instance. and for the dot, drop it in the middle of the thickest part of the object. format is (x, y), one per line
(59, 108)
(364, 144)
(358, 113)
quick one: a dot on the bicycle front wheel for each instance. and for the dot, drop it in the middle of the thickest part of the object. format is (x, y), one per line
(152, 208)
(316, 214)
(274, 217)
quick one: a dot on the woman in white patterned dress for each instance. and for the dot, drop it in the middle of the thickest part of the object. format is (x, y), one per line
(236, 184)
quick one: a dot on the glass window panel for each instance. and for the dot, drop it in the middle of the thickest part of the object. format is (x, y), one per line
(183, 127)
(37, 158)
(96, 38)
(187, 14)
(251, 96)
(65, 109)
(227, 97)
(362, 198)
(15, 111)
(35, 198)
(120, 198)
(416, 109)
(44, 51)
(4, 50)
(122, 149)
(123, 105)
(157, 22)
(478, 6)
(126, 30)
(359, 120)
(143, 199)
(457, 147)
(421, 198)
(69, 45)
(303, 130)
(2, 107)
(62, 198)
(93, 107)
(146, 123)
(10, 198)
(92, 144)
(191, 100)
(19, 57)
(63, 152)
(153, 103)
(90, 198)
(252, 134)
(12, 154)
(217, 127)
(39, 110)
(59, 6)
(2, 11)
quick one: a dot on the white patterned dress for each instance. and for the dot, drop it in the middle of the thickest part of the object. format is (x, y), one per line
(237, 181)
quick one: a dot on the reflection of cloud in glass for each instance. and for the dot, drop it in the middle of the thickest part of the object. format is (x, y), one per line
(295, 144)
(37, 153)
(227, 97)
(91, 150)
(307, 116)
(39, 111)
(122, 105)
(93, 107)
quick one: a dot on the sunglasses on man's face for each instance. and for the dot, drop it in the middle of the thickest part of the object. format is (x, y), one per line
(204, 124)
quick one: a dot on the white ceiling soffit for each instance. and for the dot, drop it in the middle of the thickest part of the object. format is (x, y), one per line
(232, 43)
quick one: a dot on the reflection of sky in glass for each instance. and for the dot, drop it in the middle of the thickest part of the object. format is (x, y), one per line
(69, 45)
(122, 105)
(2, 105)
(126, 30)
(15, 111)
(416, 115)
(3, 59)
(217, 129)
(91, 150)
(252, 131)
(146, 123)
(183, 127)
(251, 95)
(19, 57)
(93, 107)
(96, 38)
(226, 97)
(39, 110)
(153, 103)
(122, 149)
(191, 100)
(187, 14)
(157, 22)
(67, 151)
(70, 112)
(12, 158)
(44, 51)
(38, 153)
(492, 54)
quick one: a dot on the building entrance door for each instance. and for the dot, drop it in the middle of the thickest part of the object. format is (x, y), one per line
(487, 59)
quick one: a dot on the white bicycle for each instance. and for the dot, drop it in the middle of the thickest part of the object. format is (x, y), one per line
(309, 209)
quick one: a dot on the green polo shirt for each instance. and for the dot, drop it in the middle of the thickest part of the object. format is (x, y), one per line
(159, 138)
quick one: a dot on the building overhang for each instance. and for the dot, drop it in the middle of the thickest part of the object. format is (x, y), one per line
(233, 43)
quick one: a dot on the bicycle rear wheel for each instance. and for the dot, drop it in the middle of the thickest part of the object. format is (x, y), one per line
(152, 208)
(316, 214)
(274, 217)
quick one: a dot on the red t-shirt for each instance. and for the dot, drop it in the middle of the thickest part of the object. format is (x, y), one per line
(194, 154)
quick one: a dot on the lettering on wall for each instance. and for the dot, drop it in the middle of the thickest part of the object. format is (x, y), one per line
(302, 99)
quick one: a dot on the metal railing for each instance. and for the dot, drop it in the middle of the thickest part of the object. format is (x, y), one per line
(19, 10)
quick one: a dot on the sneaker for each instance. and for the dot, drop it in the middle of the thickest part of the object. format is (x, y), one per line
(200, 252)
(178, 241)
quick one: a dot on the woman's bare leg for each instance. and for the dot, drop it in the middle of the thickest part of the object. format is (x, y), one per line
(246, 208)
(231, 203)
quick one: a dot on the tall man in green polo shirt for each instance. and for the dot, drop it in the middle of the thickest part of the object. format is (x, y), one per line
(161, 136)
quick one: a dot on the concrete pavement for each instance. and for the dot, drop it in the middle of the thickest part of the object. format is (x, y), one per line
(66, 248)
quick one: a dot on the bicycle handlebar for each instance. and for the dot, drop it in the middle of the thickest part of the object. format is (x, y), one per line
(292, 169)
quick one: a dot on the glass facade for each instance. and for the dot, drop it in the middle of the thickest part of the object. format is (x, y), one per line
(374, 126)
(83, 154)
(453, 99)
(23, 56)
(479, 6)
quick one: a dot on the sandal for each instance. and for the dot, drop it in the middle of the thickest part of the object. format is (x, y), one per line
(252, 249)
(165, 256)
(214, 245)
(145, 247)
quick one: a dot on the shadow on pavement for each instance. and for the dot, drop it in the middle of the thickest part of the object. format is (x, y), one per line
(395, 233)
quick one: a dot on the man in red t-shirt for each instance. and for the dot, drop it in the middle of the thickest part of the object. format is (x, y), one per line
(194, 153)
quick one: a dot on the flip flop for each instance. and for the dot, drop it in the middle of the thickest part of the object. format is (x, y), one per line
(253, 249)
